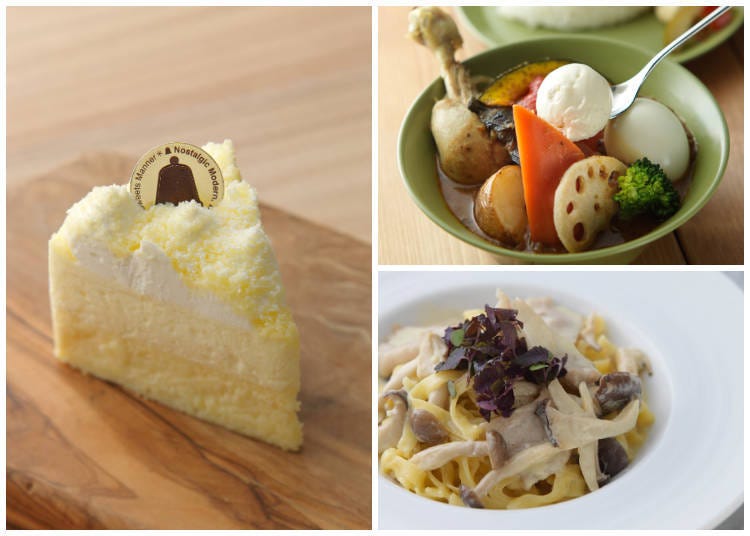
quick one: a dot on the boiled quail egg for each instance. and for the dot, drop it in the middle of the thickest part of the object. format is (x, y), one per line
(649, 129)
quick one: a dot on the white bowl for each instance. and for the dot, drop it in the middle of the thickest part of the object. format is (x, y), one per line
(688, 474)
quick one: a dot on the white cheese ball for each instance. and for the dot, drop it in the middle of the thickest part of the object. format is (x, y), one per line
(575, 99)
(649, 129)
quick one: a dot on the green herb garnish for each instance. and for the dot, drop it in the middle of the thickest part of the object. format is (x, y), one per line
(457, 337)
(451, 389)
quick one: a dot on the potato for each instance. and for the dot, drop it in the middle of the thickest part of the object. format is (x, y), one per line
(499, 207)
(584, 203)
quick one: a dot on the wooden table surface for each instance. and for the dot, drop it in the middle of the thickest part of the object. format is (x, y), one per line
(290, 86)
(85, 453)
(406, 236)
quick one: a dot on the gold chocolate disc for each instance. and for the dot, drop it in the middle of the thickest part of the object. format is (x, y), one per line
(176, 172)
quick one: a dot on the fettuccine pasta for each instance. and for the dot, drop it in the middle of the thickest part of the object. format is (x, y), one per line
(555, 443)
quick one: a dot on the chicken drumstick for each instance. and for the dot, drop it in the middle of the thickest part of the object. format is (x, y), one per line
(468, 153)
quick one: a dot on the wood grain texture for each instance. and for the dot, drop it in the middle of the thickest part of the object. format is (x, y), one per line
(406, 236)
(715, 234)
(291, 86)
(84, 453)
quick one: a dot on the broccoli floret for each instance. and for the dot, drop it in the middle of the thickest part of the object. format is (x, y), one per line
(645, 189)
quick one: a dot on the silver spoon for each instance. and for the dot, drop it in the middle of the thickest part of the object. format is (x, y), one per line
(624, 94)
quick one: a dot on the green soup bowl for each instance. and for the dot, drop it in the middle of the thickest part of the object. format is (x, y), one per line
(670, 84)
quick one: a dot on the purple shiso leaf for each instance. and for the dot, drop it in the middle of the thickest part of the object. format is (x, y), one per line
(536, 354)
(490, 348)
(456, 360)
(494, 392)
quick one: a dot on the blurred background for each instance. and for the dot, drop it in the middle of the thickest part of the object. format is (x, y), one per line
(290, 86)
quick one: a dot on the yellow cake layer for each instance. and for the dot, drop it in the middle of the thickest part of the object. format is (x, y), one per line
(240, 378)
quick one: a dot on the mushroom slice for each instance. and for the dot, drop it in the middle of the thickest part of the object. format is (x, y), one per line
(561, 319)
(632, 360)
(427, 428)
(521, 430)
(588, 458)
(617, 389)
(524, 393)
(440, 397)
(520, 462)
(400, 347)
(540, 471)
(562, 399)
(612, 458)
(498, 449)
(541, 412)
(390, 430)
(391, 357)
(396, 381)
(584, 200)
(432, 350)
(439, 455)
(574, 431)
(470, 498)
(577, 375)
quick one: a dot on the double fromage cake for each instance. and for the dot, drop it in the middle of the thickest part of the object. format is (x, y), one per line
(182, 304)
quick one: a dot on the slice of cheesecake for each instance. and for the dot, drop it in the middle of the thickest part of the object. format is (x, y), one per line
(181, 304)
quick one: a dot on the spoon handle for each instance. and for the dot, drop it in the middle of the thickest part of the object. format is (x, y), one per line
(697, 27)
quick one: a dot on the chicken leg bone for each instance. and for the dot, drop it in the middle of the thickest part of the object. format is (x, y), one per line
(468, 153)
(435, 30)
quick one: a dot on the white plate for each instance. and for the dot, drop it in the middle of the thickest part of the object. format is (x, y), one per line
(688, 475)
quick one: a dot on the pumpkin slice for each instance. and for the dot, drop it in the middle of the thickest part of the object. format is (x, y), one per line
(512, 85)
(545, 154)
(584, 203)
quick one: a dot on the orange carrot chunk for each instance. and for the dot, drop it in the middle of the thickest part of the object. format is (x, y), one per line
(545, 155)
